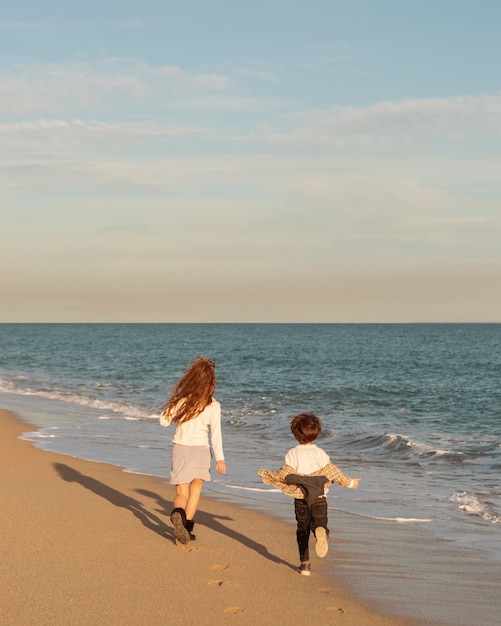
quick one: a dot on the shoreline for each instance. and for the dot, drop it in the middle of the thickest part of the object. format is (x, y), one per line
(87, 543)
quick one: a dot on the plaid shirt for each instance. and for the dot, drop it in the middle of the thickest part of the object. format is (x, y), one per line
(277, 478)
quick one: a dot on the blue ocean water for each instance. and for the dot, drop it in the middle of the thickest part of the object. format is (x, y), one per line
(414, 410)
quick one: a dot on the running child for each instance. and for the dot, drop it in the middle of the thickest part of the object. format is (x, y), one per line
(197, 415)
(306, 472)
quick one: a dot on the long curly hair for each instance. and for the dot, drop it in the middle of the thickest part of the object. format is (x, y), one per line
(193, 391)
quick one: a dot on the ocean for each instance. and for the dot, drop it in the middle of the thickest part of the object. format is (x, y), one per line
(412, 409)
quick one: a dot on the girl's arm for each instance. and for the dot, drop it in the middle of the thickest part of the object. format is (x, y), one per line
(216, 436)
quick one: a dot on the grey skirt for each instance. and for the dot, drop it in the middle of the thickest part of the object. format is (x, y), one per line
(189, 462)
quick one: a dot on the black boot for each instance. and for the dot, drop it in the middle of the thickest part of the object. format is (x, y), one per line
(189, 524)
(178, 519)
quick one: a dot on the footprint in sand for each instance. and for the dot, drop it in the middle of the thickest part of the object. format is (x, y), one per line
(219, 568)
(188, 547)
(336, 609)
(231, 610)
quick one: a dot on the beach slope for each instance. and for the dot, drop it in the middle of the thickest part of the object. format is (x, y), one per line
(86, 543)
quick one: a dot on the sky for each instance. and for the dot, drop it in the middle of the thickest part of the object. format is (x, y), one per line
(264, 161)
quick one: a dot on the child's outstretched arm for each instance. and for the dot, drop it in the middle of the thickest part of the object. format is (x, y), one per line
(330, 471)
(277, 479)
(271, 477)
(335, 475)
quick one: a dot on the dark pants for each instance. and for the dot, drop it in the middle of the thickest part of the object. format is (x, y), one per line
(309, 518)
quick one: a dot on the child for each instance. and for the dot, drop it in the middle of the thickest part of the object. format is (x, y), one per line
(194, 411)
(306, 471)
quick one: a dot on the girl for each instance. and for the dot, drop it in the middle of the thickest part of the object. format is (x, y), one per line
(194, 411)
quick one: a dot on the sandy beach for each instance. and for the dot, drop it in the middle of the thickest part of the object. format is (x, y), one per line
(86, 543)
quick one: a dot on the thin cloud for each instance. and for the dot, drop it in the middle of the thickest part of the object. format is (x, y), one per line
(101, 86)
(435, 117)
(77, 131)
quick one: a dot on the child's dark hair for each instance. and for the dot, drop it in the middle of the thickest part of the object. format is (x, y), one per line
(306, 427)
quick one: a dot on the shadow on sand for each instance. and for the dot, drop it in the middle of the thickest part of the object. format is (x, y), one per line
(215, 522)
(154, 522)
(148, 519)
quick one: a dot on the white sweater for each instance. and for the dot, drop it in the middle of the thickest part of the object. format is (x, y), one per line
(195, 432)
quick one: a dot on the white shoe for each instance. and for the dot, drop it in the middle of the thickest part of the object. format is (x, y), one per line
(322, 545)
(305, 569)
